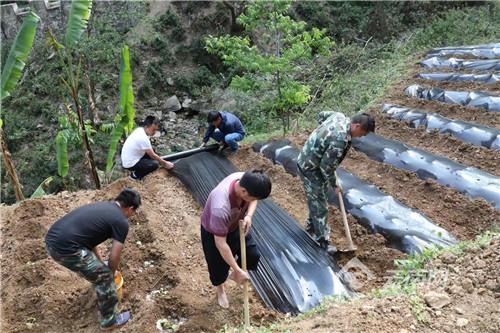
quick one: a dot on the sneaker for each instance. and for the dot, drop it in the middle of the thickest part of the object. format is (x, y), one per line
(119, 321)
(133, 176)
(223, 147)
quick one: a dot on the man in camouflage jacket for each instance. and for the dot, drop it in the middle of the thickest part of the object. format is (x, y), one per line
(323, 151)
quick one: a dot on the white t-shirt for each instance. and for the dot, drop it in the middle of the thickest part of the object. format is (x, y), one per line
(135, 147)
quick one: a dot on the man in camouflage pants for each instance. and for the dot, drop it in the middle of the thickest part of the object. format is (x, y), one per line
(323, 151)
(73, 242)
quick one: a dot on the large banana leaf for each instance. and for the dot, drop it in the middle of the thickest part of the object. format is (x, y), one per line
(79, 16)
(126, 91)
(62, 139)
(124, 122)
(18, 54)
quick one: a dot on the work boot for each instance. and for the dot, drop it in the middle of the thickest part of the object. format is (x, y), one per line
(119, 321)
(330, 249)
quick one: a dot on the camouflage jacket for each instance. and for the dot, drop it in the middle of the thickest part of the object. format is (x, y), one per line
(327, 146)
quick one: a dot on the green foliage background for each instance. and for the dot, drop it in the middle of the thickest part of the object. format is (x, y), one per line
(368, 56)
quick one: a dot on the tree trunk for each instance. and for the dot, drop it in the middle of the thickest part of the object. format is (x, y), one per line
(94, 116)
(11, 169)
(86, 144)
(235, 28)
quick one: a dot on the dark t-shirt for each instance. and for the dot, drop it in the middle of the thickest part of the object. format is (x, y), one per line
(87, 227)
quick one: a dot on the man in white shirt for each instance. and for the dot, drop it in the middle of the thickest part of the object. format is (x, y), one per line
(138, 155)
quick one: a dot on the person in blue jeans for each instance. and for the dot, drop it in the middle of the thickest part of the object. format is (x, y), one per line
(225, 128)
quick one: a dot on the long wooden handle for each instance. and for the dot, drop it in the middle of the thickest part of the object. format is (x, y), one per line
(243, 251)
(344, 219)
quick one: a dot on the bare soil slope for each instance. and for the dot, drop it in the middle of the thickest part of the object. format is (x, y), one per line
(162, 264)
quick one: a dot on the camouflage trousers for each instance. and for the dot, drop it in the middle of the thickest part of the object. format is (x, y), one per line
(85, 263)
(316, 189)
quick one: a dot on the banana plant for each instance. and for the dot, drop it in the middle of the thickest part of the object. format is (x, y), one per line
(40, 190)
(78, 20)
(124, 121)
(77, 23)
(12, 71)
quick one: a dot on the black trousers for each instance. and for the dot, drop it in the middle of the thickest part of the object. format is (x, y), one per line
(218, 269)
(145, 166)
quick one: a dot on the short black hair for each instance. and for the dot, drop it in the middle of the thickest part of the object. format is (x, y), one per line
(129, 198)
(366, 121)
(151, 120)
(213, 116)
(257, 184)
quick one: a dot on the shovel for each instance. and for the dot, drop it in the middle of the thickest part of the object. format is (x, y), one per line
(243, 251)
(351, 247)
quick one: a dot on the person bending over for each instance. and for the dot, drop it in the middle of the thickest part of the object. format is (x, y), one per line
(322, 153)
(234, 199)
(72, 242)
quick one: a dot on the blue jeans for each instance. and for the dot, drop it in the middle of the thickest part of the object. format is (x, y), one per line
(230, 139)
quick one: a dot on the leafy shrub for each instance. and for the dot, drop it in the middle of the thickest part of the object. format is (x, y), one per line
(178, 34)
(167, 20)
(203, 77)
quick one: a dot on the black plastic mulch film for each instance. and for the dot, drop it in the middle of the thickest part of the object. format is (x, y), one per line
(480, 51)
(475, 134)
(469, 180)
(465, 98)
(483, 78)
(294, 274)
(404, 228)
(474, 64)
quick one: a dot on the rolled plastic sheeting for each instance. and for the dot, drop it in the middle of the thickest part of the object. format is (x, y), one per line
(293, 274)
(465, 98)
(483, 78)
(468, 47)
(478, 135)
(490, 64)
(468, 180)
(483, 51)
(186, 153)
(405, 229)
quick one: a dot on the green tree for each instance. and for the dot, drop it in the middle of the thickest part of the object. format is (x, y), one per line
(272, 56)
(11, 74)
(80, 129)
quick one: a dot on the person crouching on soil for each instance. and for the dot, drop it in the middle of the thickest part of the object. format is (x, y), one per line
(72, 242)
(226, 129)
(234, 199)
(138, 155)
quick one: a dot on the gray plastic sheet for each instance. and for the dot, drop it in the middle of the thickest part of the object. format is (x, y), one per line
(469, 47)
(482, 51)
(482, 65)
(465, 98)
(482, 78)
(294, 274)
(469, 180)
(404, 229)
(475, 134)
